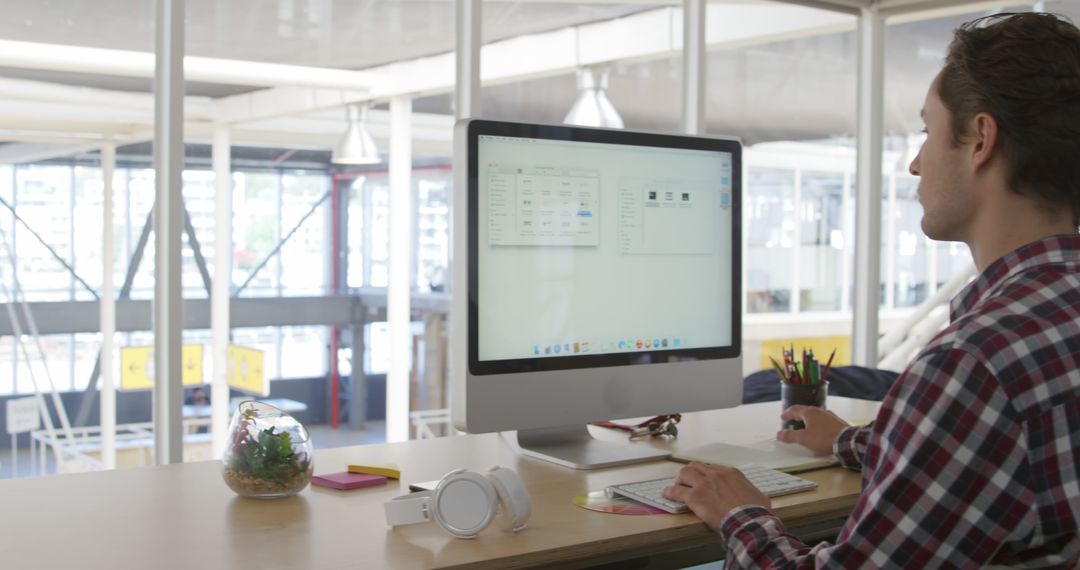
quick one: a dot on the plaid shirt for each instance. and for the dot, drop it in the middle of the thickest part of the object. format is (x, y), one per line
(974, 455)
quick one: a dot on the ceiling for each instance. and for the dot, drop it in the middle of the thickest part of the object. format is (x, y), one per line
(793, 89)
(345, 34)
(801, 89)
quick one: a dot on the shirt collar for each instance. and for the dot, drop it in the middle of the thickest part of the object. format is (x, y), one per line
(1047, 251)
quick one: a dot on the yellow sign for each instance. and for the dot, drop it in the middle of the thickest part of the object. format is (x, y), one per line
(246, 371)
(821, 345)
(137, 366)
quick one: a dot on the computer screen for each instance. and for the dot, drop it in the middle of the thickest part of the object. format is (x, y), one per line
(598, 274)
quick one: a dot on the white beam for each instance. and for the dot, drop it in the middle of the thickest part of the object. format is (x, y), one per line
(639, 37)
(653, 34)
(124, 63)
(693, 60)
(55, 123)
(221, 288)
(45, 92)
(846, 6)
(60, 130)
(869, 129)
(432, 134)
(912, 10)
(576, 3)
(467, 67)
(26, 152)
(107, 312)
(61, 136)
(281, 102)
(77, 111)
(399, 285)
(168, 166)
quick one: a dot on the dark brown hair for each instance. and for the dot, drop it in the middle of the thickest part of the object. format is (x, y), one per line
(1024, 71)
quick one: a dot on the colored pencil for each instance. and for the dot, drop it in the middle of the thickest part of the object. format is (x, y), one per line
(779, 370)
(828, 366)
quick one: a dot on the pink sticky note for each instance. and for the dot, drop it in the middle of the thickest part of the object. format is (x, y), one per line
(346, 480)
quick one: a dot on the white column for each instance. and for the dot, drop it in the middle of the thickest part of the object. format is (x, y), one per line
(693, 117)
(796, 246)
(871, 91)
(107, 306)
(892, 243)
(931, 269)
(467, 56)
(399, 288)
(169, 166)
(466, 104)
(848, 232)
(221, 287)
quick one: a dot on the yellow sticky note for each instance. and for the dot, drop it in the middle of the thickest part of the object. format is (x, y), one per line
(389, 470)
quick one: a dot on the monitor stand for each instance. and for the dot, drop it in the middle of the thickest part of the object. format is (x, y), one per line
(572, 446)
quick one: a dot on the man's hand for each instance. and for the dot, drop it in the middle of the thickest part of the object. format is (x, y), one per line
(711, 491)
(822, 427)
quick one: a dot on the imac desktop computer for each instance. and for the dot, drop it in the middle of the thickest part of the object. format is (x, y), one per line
(596, 276)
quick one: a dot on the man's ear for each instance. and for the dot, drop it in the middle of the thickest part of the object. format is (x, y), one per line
(983, 138)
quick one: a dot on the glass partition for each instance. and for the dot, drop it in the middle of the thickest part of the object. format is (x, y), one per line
(786, 88)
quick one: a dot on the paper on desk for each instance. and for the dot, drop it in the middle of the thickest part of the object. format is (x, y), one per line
(788, 457)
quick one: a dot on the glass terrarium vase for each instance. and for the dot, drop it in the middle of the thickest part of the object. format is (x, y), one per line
(268, 454)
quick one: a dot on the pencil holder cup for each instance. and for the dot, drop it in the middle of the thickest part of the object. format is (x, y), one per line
(804, 395)
(269, 453)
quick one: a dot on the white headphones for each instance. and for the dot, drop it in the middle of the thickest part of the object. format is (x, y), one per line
(465, 502)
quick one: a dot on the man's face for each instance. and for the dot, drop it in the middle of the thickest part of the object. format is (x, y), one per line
(944, 188)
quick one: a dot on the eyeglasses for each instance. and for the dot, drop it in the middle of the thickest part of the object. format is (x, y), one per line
(661, 426)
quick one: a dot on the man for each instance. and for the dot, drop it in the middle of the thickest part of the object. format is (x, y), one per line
(973, 458)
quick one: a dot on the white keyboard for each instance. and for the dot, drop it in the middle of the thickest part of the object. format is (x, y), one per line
(770, 482)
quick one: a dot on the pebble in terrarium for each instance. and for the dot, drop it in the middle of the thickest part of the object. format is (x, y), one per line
(268, 454)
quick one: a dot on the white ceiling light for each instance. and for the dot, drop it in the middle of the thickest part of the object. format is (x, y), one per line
(356, 145)
(592, 108)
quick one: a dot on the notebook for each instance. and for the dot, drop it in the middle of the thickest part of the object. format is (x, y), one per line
(345, 480)
(787, 457)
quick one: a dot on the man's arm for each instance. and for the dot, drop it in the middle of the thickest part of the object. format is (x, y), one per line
(941, 486)
(826, 433)
(850, 446)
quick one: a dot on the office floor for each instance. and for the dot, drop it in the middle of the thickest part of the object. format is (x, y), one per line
(322, 436)
(22, 463)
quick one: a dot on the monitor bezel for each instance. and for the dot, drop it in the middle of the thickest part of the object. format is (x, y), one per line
(478, 128)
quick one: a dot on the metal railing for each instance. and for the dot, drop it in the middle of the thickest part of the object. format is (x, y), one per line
(80, 450)
(897, 347)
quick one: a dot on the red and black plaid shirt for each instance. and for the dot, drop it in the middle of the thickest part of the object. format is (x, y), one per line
(974, 456)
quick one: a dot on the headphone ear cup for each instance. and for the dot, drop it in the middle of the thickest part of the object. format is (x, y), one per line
(464, 503)
(513, 497)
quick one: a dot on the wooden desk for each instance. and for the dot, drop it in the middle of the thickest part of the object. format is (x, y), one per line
(183, 516)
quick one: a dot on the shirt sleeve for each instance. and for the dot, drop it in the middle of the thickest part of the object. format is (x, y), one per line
(942, 481)
(850, 445)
